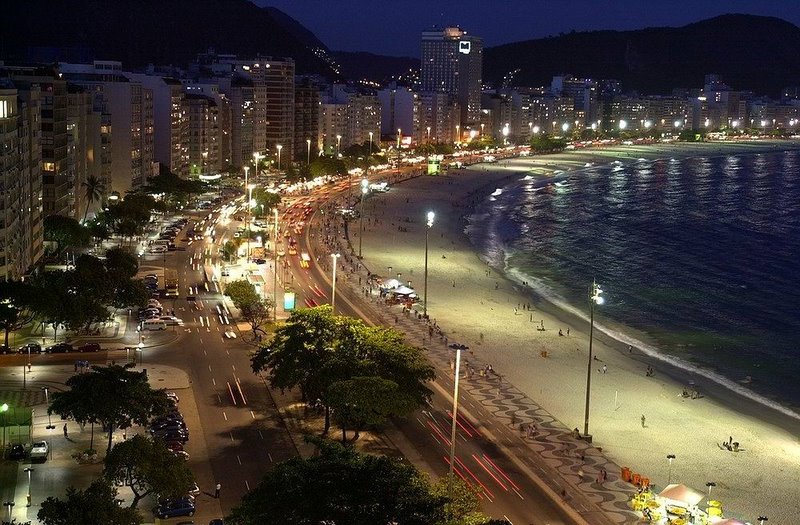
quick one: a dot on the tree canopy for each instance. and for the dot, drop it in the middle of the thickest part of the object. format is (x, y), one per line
(252, 308)
(316, 349)
(113, 396)
(147, 466)
(66, 232)
(96, 504)
(17, 300)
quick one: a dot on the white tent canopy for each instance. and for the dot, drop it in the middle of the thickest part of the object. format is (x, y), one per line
(403, 290)
(682, 494)
(391, 283)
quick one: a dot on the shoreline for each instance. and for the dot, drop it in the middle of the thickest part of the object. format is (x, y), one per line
(568, 363)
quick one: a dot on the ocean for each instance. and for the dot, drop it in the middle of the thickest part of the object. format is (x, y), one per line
(698, 259)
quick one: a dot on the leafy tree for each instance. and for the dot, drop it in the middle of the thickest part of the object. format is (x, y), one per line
(544, 143)
(267, 199)
(362, 401)
(316, 349)
(93, 189)
(175, 190)
(66, 232)
(16, 306)
(251, 306)
(230, 250)
(113, 396)
(148, 467)
(324, 165)
(96, 504)
(341, 486)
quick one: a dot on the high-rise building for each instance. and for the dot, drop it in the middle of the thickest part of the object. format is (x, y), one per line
(438, 118)
(20, 177)
(203, 137)
(128, 106)
(452, 63)
(399, 110)
(348, 116)
(306, 119)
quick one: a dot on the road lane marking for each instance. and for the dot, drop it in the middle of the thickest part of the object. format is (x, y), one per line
(209, 368)
(238, 459)
(225, 415)
(214, 381)
(270, 457)
(231, 435)
(239, 387)
(252, 415)
(246, 484)
(233, 398)
(234, 367)
(260, 435)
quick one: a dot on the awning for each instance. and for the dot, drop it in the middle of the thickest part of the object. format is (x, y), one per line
(391, 283)
(403, 290)
(682, 494)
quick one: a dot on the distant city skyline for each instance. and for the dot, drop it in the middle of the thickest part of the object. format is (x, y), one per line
(394, 28)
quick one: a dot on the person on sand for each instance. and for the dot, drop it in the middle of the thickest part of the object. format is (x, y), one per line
(643, 421)
(560, 332)
(568, 330)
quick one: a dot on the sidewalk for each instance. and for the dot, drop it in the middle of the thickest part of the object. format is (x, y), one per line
(61, 469)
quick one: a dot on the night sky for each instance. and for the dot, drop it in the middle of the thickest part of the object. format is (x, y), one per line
(392, 27)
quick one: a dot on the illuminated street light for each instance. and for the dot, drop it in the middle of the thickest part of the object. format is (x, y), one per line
(594, 298)
(429, 224)
(335, 257)
(564, 127)
(623, 124)
(279, 156)
(370, 143)
(275, 265)
(670, 458)
(536, 129)
(308, 152)
(338, 145)
(429, 134)
(364, 190)
(399, 134)
(648, 124)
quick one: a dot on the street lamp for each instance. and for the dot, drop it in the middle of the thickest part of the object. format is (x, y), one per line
(536, 129)
(594, 298)
(482, 125)
(247, 216)
(399, 134)
(623, 124)
(335, 257)
(670, 458)
(458, 133)
(279, 156)
(364, 190)
(506, 130)
(455, 413)
(428, 224)
(275, 273)
(50, 425)
(3, 410)
(564, 127)
(308, 152)
(710, 484)
(370, 143)
(429, 134)
(140, 347)
(338, 144)
(28, 470)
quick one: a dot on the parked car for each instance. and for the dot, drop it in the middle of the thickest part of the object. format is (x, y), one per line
(33, 348)
(17, 452)
(40, 450)
(173, 396)
(173, 508)
(59, 348)
(89, 347)
(230, 334)
(167, 426)
(172, 435)
(217, 521)
(5, 349)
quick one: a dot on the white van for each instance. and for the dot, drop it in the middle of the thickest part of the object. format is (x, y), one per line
(161, 242)
(154, 324)
(158, 248)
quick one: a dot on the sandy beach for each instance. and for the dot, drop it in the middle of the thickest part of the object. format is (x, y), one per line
(635, 419)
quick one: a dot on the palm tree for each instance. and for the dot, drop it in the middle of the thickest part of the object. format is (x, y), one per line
(93, 191)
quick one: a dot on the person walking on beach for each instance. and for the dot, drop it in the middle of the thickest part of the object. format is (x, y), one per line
(605, 368)
(66, 436)
(643, 421)
(216, 490)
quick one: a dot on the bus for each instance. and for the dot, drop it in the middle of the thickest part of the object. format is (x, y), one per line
(170, 283)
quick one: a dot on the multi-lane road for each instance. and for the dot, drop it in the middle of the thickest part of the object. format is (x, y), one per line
(240, 428)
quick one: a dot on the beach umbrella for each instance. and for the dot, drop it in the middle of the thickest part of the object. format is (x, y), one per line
(681, 494)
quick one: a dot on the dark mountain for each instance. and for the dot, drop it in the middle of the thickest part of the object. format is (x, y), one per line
(295, 28)
(750, 52)
(378, 68)
(138, 32)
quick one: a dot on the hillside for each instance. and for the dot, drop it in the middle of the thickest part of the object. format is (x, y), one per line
(139, 32)
(369, 66)
(750, 52)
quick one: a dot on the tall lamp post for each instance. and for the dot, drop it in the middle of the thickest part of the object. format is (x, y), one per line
(364, 190)
(275, 273)
(140, 347)
(279, 156)
(29, 470)
(338, 145)
(399, 134)
(335, 257)
(50, 425)
(3, 410)
(594, 298)
(428, 225)
(455, 413)
(370, 143)
(308, 152)
(249, 206)
(670, 458)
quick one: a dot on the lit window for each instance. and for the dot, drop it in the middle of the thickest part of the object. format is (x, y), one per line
(49, 166)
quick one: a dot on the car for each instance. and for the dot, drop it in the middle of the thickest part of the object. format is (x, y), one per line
(59, 348)
(174, 508)
(154, 303)
(5, 349)
(230, 334)
(173, 396)
(158, 248)
(172, 320)
(217, 521)
(17, 452)
(180, 454)
(33, 348)
(171, 434)
(225, 272)
(89, 347)
(151, 276)
(173, 416)
(39, 450)
(259, 260)
(177, 425)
